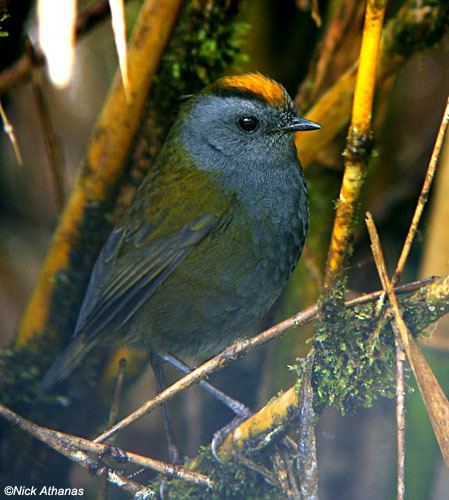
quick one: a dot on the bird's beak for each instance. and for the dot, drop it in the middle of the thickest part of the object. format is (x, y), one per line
(300, 125)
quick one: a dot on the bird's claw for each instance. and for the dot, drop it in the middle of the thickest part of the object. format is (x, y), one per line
(221, 434)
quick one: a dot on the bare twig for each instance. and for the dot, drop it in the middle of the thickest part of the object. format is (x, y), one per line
(52, 146)
(58, 442)
(113, 415)
(400, 418)
(422, 196)
(237, 349)
(433, 396)
(407, 288)
(9, 130)
(65, 442)
(422, 200)
(234, 351)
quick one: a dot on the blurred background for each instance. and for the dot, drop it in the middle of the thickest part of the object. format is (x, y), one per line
(356, 453)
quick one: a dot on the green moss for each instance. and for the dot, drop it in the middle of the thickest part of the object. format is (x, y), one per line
(346, 375)
(232, 481)
(206, 41)
(349, 372)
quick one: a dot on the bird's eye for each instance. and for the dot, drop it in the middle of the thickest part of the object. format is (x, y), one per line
(248, 123)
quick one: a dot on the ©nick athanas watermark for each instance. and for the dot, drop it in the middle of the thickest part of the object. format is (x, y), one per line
(45, 491)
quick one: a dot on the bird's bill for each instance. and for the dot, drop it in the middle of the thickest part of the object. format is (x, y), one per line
(300, 125)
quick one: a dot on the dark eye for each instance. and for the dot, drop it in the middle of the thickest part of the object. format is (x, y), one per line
(248, 123)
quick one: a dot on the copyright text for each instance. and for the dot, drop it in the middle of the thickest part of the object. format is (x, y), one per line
(34, 491)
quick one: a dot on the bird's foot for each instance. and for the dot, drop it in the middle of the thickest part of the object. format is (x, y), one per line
(221, 434)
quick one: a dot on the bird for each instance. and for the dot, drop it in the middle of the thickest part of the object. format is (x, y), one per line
(215, 230)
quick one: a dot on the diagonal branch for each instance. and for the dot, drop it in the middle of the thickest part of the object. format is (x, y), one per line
(74, 446)
(436, 292)
(433, 396)
(422, 200)
(280, 413)
(57, 442)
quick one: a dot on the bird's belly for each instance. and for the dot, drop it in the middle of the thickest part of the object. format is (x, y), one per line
(218, 292)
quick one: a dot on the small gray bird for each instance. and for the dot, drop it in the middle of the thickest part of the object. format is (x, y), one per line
(214, 233)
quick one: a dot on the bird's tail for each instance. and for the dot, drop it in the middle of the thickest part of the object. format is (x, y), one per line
(67, 361)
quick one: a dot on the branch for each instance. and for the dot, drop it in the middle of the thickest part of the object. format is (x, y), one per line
(433, 396)
(102, 169)
(435, 293)
(413, 28)
(57, 442)
(280, 414)
(52, 145)
(74, 446)
(358, 145)
(422, 200)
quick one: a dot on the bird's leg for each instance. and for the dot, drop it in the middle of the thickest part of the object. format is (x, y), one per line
(173, 449)
(241, 411)
(238, 408)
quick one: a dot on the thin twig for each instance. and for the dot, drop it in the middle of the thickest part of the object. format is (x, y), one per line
(400, 417)
(113, 416)
(407, 288)
(430, 173)
(58, 442)
(422, 196)
(433, 396)
(9, 131)
(61, 442)
(235, 350)
(52, 146)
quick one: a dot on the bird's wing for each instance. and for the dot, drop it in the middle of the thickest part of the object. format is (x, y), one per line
(130, 268)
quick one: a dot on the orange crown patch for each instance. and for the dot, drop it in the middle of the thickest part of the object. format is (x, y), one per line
(259, 85)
